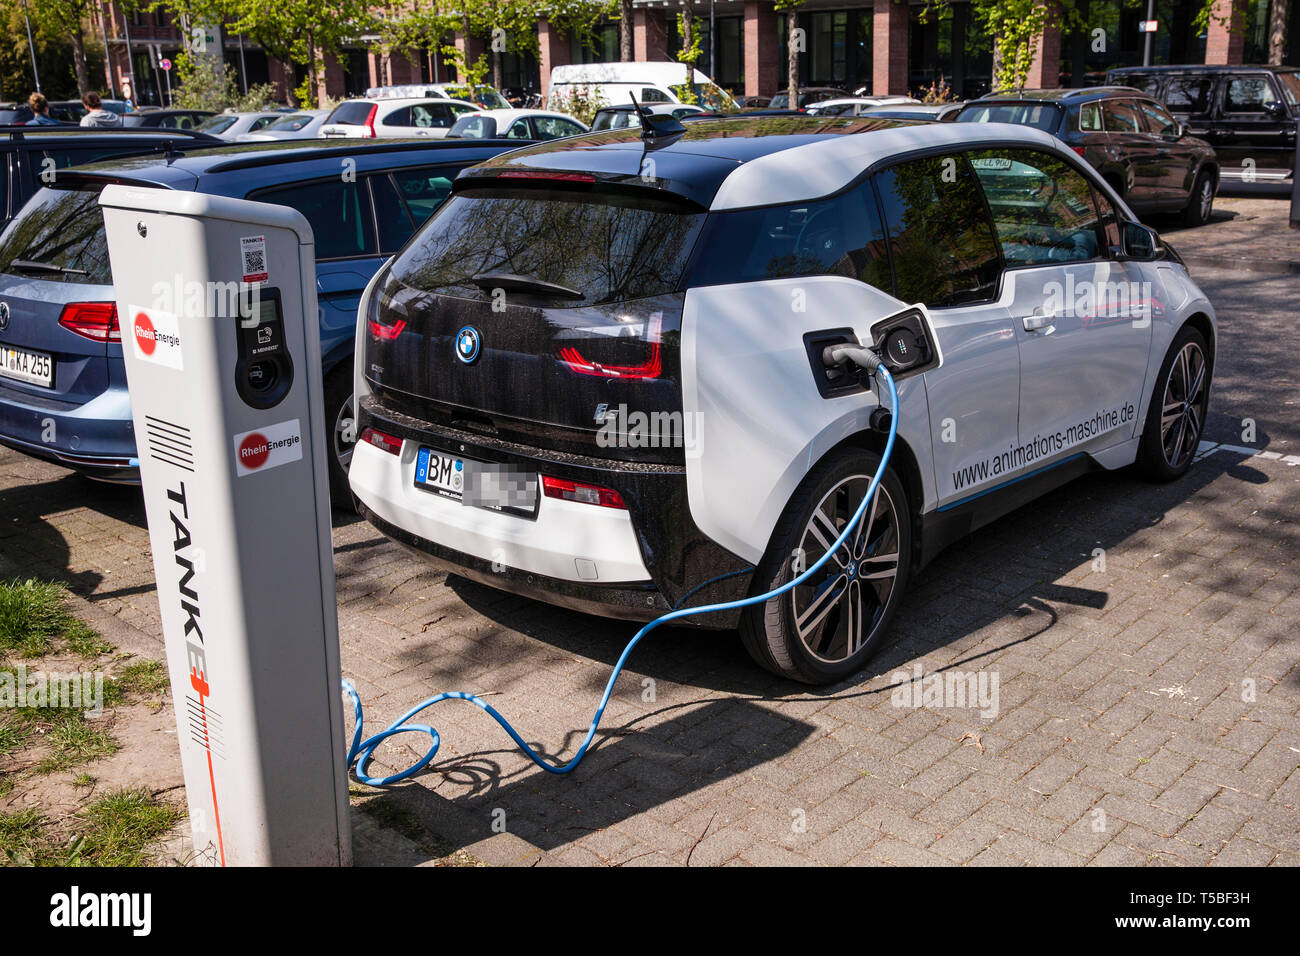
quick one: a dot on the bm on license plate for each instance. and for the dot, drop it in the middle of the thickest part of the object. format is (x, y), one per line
(35, 368)
(481, 485)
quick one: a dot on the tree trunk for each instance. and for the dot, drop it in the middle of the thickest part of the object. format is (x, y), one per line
(792, 64)
(79, 59)
(1277, 31)
(688, 41)
(625, 49)
(497, 76)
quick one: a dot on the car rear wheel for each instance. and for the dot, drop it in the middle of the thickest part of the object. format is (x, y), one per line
(341, 423)
(825, 629)
(1201, 202)
(1176, 416)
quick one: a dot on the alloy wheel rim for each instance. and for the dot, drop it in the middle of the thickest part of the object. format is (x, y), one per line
(836, 612)
(345, 434)
(1182, 415)
(1207, 199)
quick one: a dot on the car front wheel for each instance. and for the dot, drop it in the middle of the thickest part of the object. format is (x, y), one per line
(825, 629)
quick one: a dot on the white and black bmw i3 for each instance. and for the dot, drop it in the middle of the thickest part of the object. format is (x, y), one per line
(596, 376)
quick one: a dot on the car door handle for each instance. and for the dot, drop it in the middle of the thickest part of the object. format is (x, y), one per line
(1040, 322)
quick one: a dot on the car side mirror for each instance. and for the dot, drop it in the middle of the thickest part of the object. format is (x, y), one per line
(1275, 109)
(1138, 242)
(1180, 130)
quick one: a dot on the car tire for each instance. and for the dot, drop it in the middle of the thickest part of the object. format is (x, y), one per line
(340, 424)
(824, 631)
(1175, 420)
(1201, 202)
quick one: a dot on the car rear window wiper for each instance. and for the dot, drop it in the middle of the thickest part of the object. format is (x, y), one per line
(31, 265)
(517, 283)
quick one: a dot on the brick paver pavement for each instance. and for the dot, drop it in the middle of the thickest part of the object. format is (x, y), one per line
(1148, 708)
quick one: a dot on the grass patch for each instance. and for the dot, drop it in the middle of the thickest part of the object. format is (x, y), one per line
(13, 734)
(20, 834)
(145, 678)
(123, 826)
(72, 742)
(83, 780)
(34, 620)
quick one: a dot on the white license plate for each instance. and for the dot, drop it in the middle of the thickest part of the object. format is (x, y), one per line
(35, 368)
(496, 487)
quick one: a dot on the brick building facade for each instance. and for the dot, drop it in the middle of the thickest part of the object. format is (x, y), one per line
(885, 46)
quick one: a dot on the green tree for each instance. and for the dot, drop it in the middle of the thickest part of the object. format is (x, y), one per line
(689, 53)
(55, 57)
(65, 18)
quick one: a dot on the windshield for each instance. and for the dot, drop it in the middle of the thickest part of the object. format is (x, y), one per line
(485, 96)
(1043, 116)
(609, 248)
(217, 124)
(61, 227)
(708, 95)
(297, 121)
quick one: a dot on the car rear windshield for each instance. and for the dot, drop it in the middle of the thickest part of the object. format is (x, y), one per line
(290, 123)
(1044, 116)
(352, 114)
(60, 227)
(607, 247)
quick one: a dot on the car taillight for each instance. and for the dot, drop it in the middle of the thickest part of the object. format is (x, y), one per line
(575, 361)
(92, 320)
(582, 493)
(370, 120)
(383, 332)
(1078, 149)
(381, 440)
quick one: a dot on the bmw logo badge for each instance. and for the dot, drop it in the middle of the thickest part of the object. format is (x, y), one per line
(4, 316)
(467, 344)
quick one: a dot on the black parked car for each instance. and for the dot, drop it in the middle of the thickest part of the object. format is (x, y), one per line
(1130, 138)
(30, 151)
(1247, 113)
(166, 119)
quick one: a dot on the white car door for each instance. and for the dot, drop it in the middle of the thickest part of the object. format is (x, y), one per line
(1081, 316)
(945, 256)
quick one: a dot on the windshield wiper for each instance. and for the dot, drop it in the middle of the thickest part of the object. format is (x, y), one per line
(31, 265)
(517, 283)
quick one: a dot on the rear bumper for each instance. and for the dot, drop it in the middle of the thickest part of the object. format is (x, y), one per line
(96, 437)
(634, 564)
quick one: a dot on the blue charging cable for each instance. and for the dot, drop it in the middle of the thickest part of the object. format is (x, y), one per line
(360, 751)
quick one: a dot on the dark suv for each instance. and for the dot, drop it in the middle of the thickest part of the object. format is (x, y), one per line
(29, 155)
(1130, 138)
(1247, 113)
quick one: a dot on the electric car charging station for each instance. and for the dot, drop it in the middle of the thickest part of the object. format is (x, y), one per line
(226, 399)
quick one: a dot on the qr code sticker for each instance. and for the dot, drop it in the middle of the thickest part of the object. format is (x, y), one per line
(253, 251)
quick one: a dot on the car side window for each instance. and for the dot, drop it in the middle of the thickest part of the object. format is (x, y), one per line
(1090, 118)
(400, 117)
(839, 236)
(651, 95)
(1248, 94)
(518, 130)
(1189, 94)
(553, 127)
(477, 127)
(941, 239)
(391, 215)
(1121, 116)
(262, 121)
(339, 213)
(424, 189)
(1042, 207)
(1156, 119)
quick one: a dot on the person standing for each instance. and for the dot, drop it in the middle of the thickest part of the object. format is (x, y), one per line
(40, 107)
(97, 116)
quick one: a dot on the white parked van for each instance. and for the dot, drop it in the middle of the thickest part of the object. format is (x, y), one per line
(649, 83)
